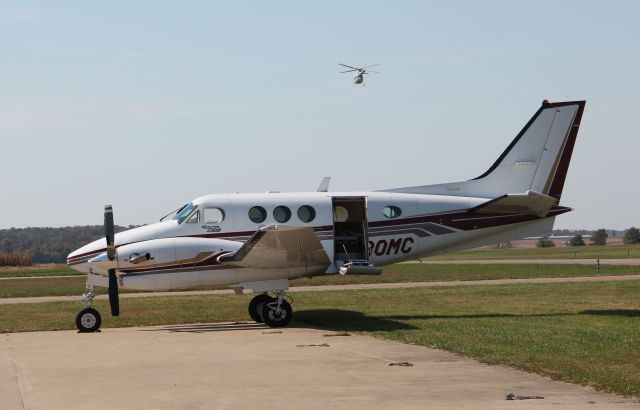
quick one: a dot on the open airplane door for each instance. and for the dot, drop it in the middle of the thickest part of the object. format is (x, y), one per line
(351, 236)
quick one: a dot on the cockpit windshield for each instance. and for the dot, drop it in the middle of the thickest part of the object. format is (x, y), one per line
(183, 212)
(180, 213)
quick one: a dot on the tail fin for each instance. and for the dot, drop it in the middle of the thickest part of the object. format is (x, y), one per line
(536, 160)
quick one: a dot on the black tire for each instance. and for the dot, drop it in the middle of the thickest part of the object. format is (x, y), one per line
(255, 306)
(269, 314)
(88, 320)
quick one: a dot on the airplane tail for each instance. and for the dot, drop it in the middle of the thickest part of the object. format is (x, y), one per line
(536, 160)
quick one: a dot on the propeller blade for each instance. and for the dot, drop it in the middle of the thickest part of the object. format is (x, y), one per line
(348, 66)
(348, 71)
(372, 65)
(114, 300)
(109, 231)
(376, 72)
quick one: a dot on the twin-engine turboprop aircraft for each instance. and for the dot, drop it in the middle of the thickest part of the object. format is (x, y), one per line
(259, 242)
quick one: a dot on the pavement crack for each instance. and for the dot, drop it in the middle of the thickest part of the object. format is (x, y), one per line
(15, 367)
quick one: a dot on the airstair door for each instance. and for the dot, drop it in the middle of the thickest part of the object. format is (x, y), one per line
(350, 229)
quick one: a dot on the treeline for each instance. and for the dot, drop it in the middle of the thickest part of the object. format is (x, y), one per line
(15, 259)
(49, 245)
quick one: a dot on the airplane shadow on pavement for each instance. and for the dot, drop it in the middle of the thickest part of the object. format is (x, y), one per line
(348, 320)
(345, 320)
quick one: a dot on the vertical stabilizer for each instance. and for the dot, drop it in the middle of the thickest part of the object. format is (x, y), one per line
(536, 160)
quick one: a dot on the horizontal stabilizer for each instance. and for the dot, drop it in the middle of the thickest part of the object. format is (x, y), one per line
(531, 202)
(279, 247)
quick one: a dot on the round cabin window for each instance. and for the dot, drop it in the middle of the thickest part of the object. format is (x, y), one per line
(306, 213)
(257, 214)
(281, 214)
(340, 214)
(391, 211)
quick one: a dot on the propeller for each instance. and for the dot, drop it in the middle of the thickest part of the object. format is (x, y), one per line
(348, 66)
(360, 71)
(109, 233)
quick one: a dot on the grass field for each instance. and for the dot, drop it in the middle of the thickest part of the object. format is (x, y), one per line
(75, 285)
(584, 333)
(47, 270)
(564, 252)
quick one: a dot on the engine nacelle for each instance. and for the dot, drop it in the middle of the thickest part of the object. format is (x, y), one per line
(164, 253)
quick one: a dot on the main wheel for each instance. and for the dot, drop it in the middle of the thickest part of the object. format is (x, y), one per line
(273, 318)
(255, 306)
(88, 320)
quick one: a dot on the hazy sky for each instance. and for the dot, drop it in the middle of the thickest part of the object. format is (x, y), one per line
(148, 104)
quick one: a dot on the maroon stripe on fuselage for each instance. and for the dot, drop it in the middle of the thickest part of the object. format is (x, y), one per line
(468, 220)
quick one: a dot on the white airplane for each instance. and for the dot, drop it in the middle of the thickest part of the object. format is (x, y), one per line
(259, 242)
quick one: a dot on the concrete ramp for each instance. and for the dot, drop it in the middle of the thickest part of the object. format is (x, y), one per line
(247, 365)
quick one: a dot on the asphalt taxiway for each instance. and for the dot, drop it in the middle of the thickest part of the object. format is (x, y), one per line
(247, 365)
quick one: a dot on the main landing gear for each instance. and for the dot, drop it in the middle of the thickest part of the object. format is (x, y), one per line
(273, 312)
(88, 319)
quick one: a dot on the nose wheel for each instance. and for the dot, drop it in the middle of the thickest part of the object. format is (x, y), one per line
(88, 320)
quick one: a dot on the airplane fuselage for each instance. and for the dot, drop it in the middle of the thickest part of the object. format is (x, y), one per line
(392, 227)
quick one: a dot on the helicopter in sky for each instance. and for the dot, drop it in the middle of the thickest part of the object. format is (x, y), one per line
(359, 78)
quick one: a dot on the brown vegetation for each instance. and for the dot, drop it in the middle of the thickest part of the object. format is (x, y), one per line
(15, 259)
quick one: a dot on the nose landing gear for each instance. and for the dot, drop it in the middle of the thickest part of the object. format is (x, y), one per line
(88, 319)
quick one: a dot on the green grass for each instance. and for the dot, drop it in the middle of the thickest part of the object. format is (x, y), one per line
(75, 285)
(585, 333)
(55, 270)
(564, 252)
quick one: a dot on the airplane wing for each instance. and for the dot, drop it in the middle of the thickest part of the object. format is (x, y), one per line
(273, 247)
(530, 202)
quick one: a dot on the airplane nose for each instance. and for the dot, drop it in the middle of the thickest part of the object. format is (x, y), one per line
(78, 259)
(72, 256)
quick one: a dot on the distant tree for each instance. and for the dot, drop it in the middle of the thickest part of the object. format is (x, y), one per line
(44, 245)
(631, 235)
(545, 242)
(599, 237)
(576, 240)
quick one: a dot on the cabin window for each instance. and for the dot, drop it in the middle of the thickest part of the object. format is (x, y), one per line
(193, 219)
(213, 215)
(281, 214)
(306, 213)
(391, 211)
(257, 214)
(340, 213)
